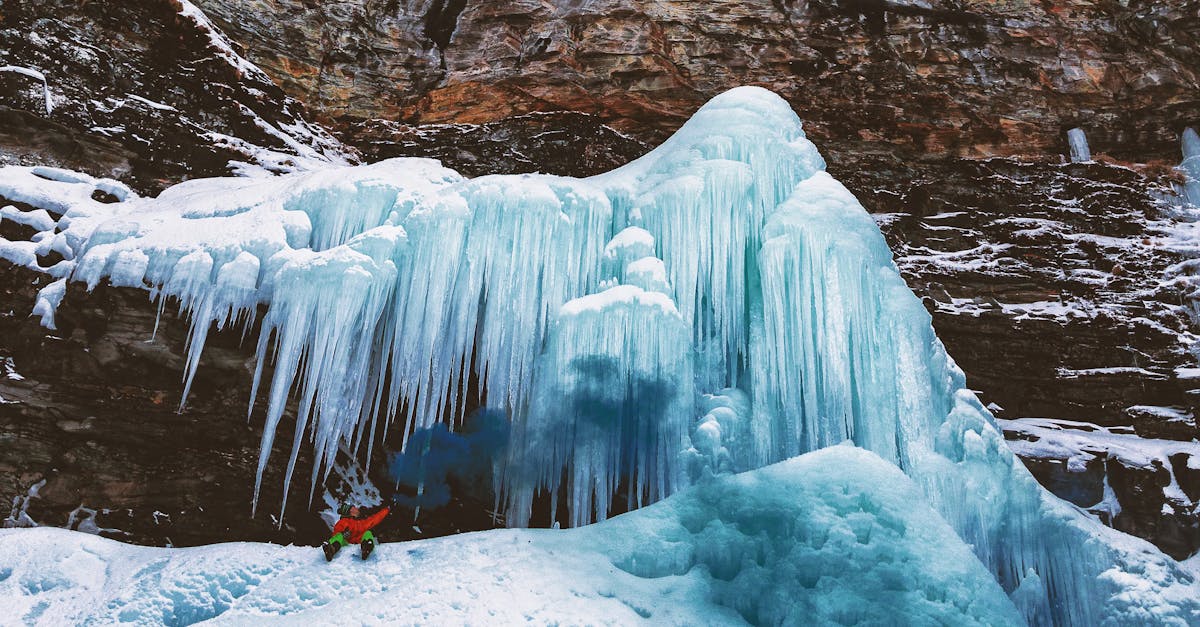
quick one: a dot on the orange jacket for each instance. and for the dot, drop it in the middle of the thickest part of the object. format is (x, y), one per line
(354, 528)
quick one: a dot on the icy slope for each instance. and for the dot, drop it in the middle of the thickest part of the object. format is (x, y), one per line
(835, 536)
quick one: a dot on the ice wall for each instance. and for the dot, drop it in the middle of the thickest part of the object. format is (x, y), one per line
(598, 315)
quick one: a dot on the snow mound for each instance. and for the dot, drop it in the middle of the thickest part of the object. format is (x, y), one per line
(833, 537)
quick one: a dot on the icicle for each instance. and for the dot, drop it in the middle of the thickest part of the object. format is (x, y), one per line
(614, 402)
(1080, 153)
(1190, 143)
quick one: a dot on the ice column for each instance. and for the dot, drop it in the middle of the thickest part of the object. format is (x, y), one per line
(705, 195)
(613, 396)
(490, 265)
(848, 351)
(1190, 166)
(1080, 152)
(613, 403)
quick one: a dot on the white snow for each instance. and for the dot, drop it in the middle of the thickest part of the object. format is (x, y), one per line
(36, 75)
(8, 368)
(1170, 414)
(217, 40)
(48, 300)
(1082, 441)
(153, 104)
(37, 219)
(835, 537)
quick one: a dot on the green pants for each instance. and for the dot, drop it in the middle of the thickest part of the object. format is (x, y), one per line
(339, 539)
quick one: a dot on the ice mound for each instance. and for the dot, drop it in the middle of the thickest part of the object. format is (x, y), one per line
(605, 317)
(833, 537)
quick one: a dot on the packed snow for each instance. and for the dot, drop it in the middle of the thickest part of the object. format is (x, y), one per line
(837, 536)
(753, 315)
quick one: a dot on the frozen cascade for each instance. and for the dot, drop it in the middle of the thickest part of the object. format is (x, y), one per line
(1190, 166)
(1080, 153)
(614, 401)
(765, 275)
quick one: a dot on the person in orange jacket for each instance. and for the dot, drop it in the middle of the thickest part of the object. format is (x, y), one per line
(352, 528)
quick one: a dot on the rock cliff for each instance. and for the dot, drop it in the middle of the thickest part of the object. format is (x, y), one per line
(920, 77)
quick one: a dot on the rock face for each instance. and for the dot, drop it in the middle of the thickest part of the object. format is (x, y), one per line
(1147, 487)
(1053, 286)
(932, 77)
(89, 419)
(565, 143)
(148, 92)
(1061, 291)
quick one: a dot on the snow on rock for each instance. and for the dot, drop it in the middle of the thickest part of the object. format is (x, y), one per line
(35, 75)
(834, 537)
(389, 287)
(217, 40)
(1078, 443)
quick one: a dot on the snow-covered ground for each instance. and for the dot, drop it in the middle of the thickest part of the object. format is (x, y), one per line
(837, 536)
(1080, 442)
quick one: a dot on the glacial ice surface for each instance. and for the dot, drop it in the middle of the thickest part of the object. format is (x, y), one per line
(718, 305)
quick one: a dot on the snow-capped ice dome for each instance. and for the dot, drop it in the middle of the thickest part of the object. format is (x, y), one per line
(749, 273)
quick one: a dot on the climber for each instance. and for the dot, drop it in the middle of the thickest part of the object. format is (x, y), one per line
(353, 529)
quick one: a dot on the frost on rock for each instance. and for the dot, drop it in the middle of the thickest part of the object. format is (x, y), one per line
(718, 305)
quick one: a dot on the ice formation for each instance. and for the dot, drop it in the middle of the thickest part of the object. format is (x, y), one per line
(1080, 152)
(834, 537)
(1190, 142)
(37, 76)
(717, 305)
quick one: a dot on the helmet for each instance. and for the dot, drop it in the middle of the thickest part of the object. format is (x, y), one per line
(343, 509)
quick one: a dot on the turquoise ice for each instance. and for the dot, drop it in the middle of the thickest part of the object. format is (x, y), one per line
(837, 536)
(721, 304)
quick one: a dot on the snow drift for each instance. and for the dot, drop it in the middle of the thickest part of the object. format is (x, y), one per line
(834, 537)
(721, 303)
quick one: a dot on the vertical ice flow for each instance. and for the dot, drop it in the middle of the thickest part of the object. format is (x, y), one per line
(1190, 143)
(604, 316)
(1080, 153)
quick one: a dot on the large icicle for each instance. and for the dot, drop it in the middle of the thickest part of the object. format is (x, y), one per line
(1190, 143)
(490, 265)
(849, 351)
(614, 402)
(704, 195)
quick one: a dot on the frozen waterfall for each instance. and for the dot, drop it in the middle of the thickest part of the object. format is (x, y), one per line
(721, 303)
(1190, 166)
(1080, 153)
